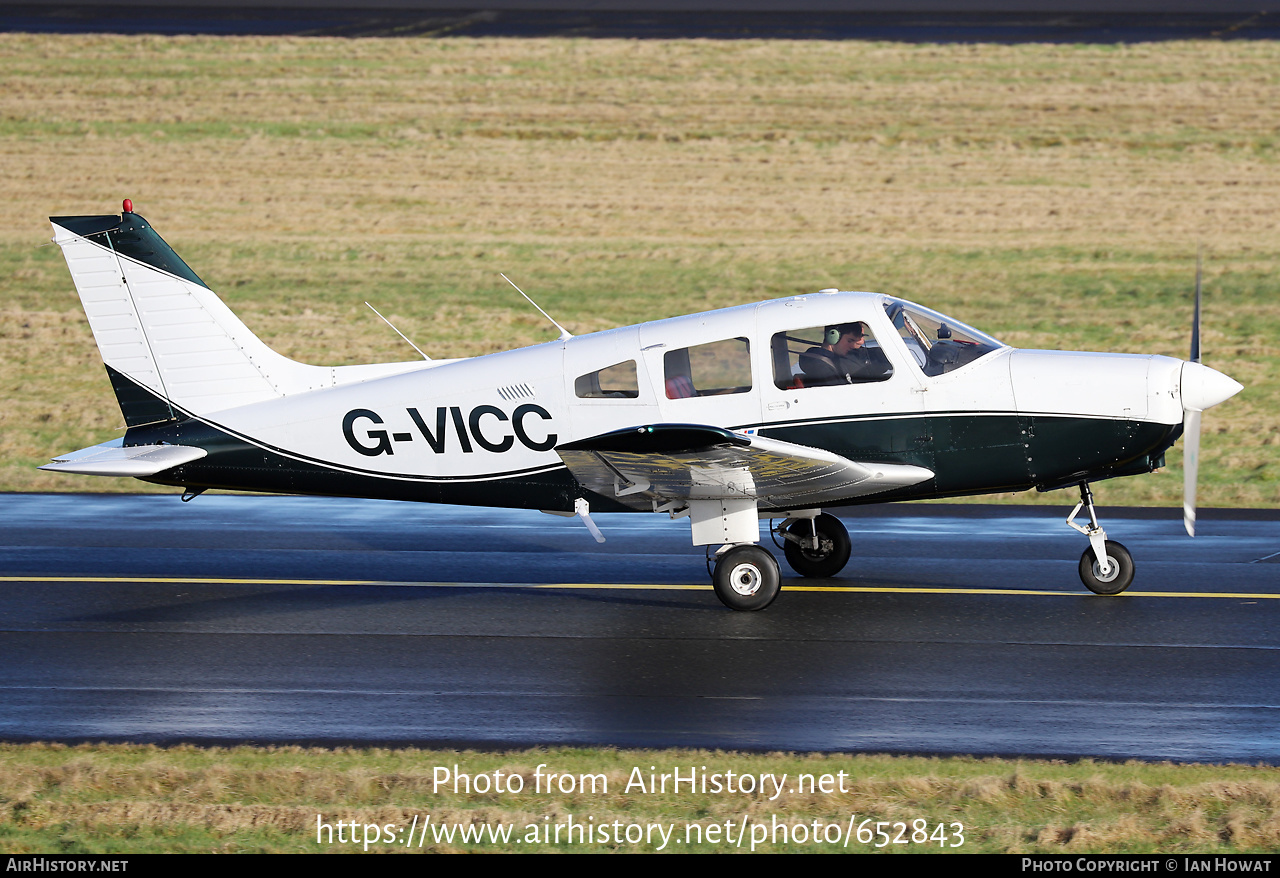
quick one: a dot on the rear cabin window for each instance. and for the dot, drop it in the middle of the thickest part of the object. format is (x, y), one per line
(714, 369)
(612, 382)
(826, 356)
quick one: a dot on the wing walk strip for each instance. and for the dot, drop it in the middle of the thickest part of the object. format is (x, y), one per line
(608, 586)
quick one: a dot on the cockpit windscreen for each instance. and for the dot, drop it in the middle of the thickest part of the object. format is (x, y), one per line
(938, 343)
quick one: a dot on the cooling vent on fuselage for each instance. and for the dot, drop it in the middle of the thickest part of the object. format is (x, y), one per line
(516, 391)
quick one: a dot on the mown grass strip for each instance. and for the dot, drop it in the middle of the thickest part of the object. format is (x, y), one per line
(128, 798)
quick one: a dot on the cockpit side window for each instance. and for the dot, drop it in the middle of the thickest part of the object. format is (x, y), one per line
(713, 369)
(824, 356)
(938, 343)
(612, 382)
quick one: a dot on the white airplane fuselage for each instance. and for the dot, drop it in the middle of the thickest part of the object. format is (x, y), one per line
(448, 431)
(775, 409)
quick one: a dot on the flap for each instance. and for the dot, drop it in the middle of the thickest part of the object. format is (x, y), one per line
(664, 462)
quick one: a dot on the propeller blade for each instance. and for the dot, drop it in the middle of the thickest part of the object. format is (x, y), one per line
(1190, 468)
(1191, 409)
(1195, 321)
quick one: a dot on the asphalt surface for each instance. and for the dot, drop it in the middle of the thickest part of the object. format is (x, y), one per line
(957, 629)
(928, 21)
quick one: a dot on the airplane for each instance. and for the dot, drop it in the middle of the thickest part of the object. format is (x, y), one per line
(775, 410)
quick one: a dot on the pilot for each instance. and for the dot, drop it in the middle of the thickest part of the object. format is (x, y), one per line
(842, 358)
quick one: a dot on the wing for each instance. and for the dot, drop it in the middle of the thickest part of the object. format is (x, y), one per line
(645, 467)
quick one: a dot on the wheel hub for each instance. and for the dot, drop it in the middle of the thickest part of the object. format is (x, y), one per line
(745, 579)
(1108, 574)
(820, 551)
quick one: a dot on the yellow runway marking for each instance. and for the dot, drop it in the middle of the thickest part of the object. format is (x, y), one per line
(190, 580)
(614, 586)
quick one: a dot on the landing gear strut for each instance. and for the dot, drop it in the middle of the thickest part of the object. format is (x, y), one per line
(1106, 567)
(818, 547)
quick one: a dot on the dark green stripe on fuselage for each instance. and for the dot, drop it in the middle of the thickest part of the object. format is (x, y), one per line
(238, 465)
(975, 453)
(139, 406)
(969, 454)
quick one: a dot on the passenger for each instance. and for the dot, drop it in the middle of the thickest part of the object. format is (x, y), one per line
(842, 358)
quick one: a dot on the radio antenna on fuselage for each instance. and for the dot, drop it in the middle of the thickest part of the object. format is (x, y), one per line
(564, 333)
(398, 332)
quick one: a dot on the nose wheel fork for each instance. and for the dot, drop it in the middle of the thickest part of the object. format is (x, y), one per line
(1106, 567)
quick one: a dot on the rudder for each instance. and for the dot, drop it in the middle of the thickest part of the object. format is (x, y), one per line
(158, 326)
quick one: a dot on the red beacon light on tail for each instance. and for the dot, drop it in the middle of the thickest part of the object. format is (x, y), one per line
(128, 205)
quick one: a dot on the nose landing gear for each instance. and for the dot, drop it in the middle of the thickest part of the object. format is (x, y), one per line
(1106, 567)
(1112, 577)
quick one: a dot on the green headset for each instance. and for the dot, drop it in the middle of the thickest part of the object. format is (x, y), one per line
(833, 333)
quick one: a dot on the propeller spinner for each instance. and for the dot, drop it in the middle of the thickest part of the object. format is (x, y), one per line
(1202, 388)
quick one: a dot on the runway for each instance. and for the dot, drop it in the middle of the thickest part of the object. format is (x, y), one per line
(956, 629)
(918, 21)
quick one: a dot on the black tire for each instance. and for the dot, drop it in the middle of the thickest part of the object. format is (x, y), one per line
(746, 578)
(1120, 579)
(833, 552)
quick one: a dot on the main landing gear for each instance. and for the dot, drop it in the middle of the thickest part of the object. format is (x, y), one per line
(1106, 567)
(746, 577)
(816, 546)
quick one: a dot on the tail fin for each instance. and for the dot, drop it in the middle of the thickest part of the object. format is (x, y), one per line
(160, 329)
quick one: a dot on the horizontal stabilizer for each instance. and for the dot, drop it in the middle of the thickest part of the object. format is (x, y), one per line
(681, 462)
(111, 459)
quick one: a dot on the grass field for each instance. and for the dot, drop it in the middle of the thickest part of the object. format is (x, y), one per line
(131, 799)
(1052, 195)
